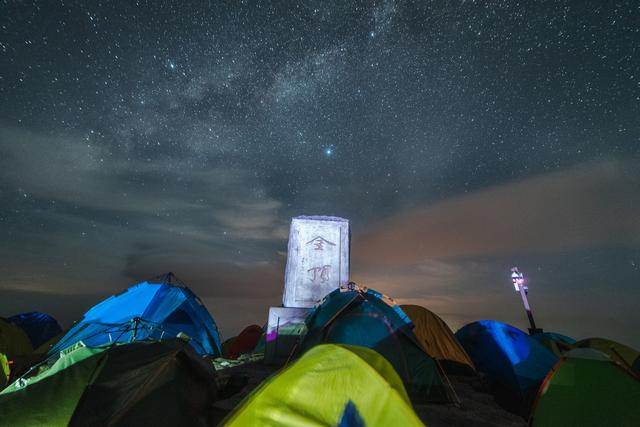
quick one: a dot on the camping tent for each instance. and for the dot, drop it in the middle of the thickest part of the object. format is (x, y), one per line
(39, 327)
(624, 355)
(157, 309)
(367, 318)
(438, 340)
(144, 383)
(514, 362)
(557, 343)
(245, 342)
(14, 342)
(330, 385)
(586, 388)
(16, 346)
(226, 346)
(5, 371)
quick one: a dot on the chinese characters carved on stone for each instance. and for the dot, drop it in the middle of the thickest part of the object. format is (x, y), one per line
(319, 243)
(319, 274)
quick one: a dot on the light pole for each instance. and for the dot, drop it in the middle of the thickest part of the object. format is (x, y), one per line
(518, 283)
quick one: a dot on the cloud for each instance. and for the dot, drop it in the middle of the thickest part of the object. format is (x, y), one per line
(260, 280)
(156, 193)
(589, 206)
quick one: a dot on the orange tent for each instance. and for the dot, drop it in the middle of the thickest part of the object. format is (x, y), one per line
(438, 340)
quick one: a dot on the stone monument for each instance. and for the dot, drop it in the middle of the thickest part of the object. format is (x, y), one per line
(317, 263)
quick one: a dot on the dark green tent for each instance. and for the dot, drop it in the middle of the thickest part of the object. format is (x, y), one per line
(143, 383)
(367, 318)
(586, 388)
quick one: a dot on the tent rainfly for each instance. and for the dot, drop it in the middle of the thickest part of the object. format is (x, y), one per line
(39, 327)
(587, 388)
(438, 340)
(332, 385)
(364, 317)
(143, 383)
(514, 363)
(161, 308)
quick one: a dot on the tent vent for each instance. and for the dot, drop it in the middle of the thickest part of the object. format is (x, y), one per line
(183, 336)
(73, 348)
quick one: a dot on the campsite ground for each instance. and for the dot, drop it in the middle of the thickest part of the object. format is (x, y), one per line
(477, 408)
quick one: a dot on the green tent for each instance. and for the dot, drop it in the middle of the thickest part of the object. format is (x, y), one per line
(143, 383)
(360, 316)
(330, 385)
(586, 388)
(623, 354)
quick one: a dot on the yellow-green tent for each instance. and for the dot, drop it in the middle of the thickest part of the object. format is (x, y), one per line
(4, 371)
(438, 340)
(329, 385)
(13, 341)
(16, 346)
(623, 354)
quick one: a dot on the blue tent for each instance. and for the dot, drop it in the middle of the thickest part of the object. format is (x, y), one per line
(39, 327)
(153, 310)
(514, 363)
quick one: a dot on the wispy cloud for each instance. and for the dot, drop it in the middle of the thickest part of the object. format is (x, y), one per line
(590, 206)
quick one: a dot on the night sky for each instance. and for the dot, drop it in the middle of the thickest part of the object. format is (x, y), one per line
(459, 137)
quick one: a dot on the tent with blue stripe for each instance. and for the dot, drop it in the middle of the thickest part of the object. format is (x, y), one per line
(158, 309)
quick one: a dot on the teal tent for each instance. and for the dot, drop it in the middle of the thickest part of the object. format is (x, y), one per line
(359, 316)
(557, 343)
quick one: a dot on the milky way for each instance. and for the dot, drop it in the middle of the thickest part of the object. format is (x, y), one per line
(142, 137)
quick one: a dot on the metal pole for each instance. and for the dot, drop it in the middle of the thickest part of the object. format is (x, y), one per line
(525, 301)
(518, 280)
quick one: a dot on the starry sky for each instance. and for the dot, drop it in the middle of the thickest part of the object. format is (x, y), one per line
(459, 137)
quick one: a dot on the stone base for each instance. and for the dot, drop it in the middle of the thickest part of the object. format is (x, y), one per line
(283, 332)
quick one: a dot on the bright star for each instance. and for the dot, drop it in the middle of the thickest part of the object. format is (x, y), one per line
(328, 151)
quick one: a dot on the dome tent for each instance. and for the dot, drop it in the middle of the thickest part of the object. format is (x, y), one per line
(161, 308)
(557, 343)
(330, 385)
(438, 340)
(5, 371)
(39, 327)
(16, 348)
(142, 383)
(514, 363)
(14, 342)
(245, 342)
(623, 354)
(587, 388)
(363, 317)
